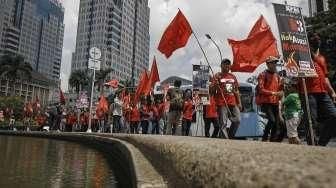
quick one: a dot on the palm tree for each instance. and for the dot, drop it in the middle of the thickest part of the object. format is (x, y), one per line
(125, 84)
(78, 79)
(101, 78)
(14, 68)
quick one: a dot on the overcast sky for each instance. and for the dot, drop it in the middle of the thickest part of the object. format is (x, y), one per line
(221, 19)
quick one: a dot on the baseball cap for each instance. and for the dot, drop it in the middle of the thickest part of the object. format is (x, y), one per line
(272, 59)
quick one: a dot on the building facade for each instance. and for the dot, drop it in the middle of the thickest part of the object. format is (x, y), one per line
(120, 28)
(316, 6)
(36, 88)
(35, 30)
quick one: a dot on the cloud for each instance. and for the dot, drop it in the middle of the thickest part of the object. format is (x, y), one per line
(221, 19)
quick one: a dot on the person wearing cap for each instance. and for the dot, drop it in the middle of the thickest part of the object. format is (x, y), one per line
(321, 96)
(227, 98)
(269, 95)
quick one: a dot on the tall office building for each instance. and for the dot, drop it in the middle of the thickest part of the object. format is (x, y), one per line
(316, 6)
(35, 30)
(120, 28)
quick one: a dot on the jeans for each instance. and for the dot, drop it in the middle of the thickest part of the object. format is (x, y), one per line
(322, 109)
(272, 114)
(116, 124)
(173, 121)
(231, 113)
(134, 127)
(155, 127)
(144, 126)
(186, 127)
(207, 124)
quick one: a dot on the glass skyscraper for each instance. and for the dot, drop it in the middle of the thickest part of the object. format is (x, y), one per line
(35, 30)
(120, 28)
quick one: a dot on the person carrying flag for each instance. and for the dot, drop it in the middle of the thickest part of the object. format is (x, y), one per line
(227, 97)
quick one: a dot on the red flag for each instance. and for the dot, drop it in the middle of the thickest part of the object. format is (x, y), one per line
(37, 105)
(153, 78)
(260, 26)
(28, 109)
(253, 51)
(125, 98)
(103, 104)
(142, 83)
(62, 98)
(113, 83)
(176, 35)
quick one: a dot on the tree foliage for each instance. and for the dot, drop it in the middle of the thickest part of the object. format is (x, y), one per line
(78, 80)
(13, 68)
(15, 103)
(101, 77)
(324, 23)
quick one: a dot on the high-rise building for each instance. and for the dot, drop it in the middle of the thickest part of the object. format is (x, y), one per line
(316, 6)
(35, 30)
(120, 28)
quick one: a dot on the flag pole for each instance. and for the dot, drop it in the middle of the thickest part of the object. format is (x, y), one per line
(213, 74)
(206, 59)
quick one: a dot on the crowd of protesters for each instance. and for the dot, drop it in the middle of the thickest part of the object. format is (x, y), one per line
(281, 100)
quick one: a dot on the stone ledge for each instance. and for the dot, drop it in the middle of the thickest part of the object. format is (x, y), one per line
(203, 162)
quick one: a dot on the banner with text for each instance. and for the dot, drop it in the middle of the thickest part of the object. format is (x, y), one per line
(294, 41)
(201, 74)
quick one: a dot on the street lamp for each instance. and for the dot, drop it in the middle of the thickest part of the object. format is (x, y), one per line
(220, 53)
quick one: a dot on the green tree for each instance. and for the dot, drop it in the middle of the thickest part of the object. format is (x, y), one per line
(101, 77)
(78, 79)
(324, 23)
(15, 103)
(14, 68)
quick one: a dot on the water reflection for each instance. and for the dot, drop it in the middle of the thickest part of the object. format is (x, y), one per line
(33, 162)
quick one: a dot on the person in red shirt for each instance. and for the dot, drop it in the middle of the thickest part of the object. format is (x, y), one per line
(155, 118)
(72, 119)
(187, 113)
(269, 95)
(41, 120)
(100, 120)
(227, 97)
(145, 114)
(134, 118)
(211, 116)
(321, 97)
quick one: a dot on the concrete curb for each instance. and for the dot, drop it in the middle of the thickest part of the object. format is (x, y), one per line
(203, 162)
(129, 162)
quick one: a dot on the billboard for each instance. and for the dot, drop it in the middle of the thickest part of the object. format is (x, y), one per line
(201, 75)
(294, 41)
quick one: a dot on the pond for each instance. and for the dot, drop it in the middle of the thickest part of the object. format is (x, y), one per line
(34, 162)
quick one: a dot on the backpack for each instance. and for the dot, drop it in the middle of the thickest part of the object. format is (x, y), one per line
(176, 99)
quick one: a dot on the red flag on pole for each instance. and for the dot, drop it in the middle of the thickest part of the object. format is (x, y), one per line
(176, 35)
(248, 54)
(142, 84)
(37, 105)
(62, 98)
(103, 104)
(153, 78)
(113, 83)
(28, 109)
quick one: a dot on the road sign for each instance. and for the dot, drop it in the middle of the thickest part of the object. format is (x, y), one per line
(94, 64)
(95, 53)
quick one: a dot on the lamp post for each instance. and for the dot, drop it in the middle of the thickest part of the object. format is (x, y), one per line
(220, 53)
